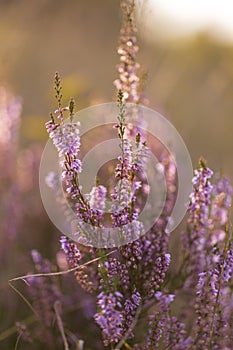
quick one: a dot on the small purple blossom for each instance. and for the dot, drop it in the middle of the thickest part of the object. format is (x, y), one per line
(110, 316)
(128, 80)
(97, 197)
(228, 265)
(66, 139)
(198, 239)
(73, 257)
(130, 308)
(71, 251)
(200, 197)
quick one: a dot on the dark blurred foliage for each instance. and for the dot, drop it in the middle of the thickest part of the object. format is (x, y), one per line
(189, 81)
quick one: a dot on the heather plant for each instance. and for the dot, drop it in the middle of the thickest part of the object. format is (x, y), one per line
(126, 295)
(132, 288)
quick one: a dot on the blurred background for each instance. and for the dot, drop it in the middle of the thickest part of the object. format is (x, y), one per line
(186, 50)
(185, 47)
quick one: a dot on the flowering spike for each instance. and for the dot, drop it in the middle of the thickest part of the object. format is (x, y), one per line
(128, 80)
(120, 96)
(203, 163)
(71, 108)
(58, 88)
(138, 138)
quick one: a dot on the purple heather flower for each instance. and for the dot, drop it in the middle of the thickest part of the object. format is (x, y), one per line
(208, 216)
(222, 186)
(164, 300)
(130, 307)
(97, 197)
(207, 317)
(228, 265)
(127, 151)
(169, 331)
(165, 330)
(197, 240)
(51, 126)
(117, 270)
(176, 335)
(91, 211)
(73, 257)
(201, 196)
(141, 156)
(159, 233)
(110, 316)
(60, 111)
(225, 332)
(52, 181)
(213, 326)
(156, 326)
(136, 298)
(124, 194)
(133, 253)
(66, 140)
(71, 251)
(221, 202)
(154, 272)
(124, 209)
(128, 80)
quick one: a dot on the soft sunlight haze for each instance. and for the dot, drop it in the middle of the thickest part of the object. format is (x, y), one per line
(182, 17)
